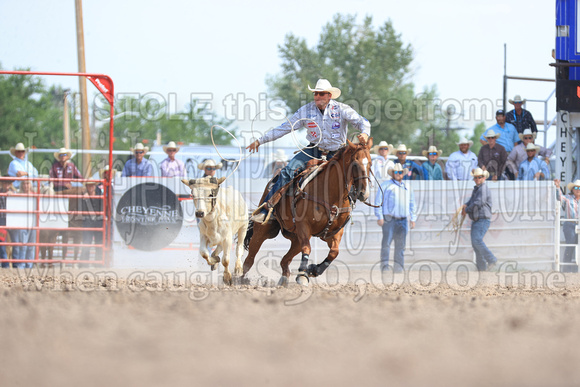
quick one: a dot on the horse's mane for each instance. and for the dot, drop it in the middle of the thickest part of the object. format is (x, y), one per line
(339, 155)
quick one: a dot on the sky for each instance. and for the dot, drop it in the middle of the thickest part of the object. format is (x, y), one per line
(222, 51)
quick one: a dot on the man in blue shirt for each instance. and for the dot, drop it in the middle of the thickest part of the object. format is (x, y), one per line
(396, 209)
(431, 169)
(138, 166)
(20, 166)
(533, 168)
(508, 134)
(414, 171)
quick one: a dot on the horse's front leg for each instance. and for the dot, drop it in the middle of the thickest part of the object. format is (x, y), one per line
(302, 277)
(333, 243)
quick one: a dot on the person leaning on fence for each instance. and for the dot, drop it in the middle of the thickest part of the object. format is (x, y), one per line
(519, 117)
(5, 188)
(432, 170)
(396, 209)
(172, 167)
(209, 167)
(461, 163)
(492, 156)
(478, 207)
(138, 166)
(508, 132)
(63, 168)
(414, 171)
(570, 205)
(20, 166)
(533, 168)
(326, 122)
(519, 154)
(23, 235)
(382, 164)
(93, 220)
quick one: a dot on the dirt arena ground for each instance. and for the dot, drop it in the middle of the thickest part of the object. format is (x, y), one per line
(125, 329)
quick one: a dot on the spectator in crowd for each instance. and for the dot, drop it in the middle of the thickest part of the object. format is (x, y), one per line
(94, 220)
(492, 156)
(23, 235)
(478, 207)
(520, 118)
(518, 154)
(533, 168)
(63, 168)
(571, 205)
(461, 163)
(5, 188)
(508, 132)
(209, 167)
(432, 170)
(139, 165)
(414, 171)
(20, 166)
(396, 209)
(172, 167)
(382, 164)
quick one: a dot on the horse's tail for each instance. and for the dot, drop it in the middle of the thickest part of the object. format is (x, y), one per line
(249, 234)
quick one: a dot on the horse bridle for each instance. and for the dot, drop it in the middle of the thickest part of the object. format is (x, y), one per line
(355, 179)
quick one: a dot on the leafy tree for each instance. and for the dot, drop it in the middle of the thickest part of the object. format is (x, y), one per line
(477, 132)
(371, 66)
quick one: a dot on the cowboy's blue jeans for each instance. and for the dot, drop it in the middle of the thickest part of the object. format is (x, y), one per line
(483, 255)
(296, 165)
(23, 252)
(394, 229)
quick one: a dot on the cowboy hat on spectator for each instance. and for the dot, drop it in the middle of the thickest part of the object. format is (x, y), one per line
(171, 145)
(18, 147)
(397, 167)
(490, 133)
(140, 147)
(62, 151)
(382, 145)
(517, 99)
(532, 146)
(527, 132)
(464, 140)
(432, 149)
(324, 85)
(573, 184)
(480, 172)
(400, 148)
(209, 163)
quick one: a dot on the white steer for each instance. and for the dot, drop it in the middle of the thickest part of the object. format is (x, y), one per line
(222, 213)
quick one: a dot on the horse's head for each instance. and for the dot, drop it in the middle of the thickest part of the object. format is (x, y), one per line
(204, 192)
(359, 168)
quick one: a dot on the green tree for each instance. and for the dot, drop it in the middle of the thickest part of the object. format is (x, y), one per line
(371, 66)
(477, 132)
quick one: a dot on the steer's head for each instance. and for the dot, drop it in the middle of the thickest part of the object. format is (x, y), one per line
(204, 192)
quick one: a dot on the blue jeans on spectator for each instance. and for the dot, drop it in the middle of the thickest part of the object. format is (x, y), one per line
(571, 237)
(3, 255)
(483, 255)
(394, 228)
(23, 252)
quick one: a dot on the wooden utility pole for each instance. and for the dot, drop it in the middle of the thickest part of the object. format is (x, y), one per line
(86, 130)
(66, 127)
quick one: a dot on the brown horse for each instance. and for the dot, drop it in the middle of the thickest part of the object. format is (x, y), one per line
(320, 205)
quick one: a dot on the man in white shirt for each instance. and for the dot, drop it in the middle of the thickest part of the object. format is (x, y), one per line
(462, 162)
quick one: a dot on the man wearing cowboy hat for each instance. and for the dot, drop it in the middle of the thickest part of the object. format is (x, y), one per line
(507, 133)
(395, 203)
(461, 163)
(20, 166)
(519, 154)
(63, 168)
(519, 117)
(382, 164)
(492, 156)
(208, 166)
(139, 165)
(479, 209)
(414, 171)
(172, 167)
(326, 122)
(432, 170)
(571, 207)
(533, 168)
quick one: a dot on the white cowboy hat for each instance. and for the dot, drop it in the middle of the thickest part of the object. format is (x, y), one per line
(480, 172)
(140, 146)
(382, 145)
(209, 163)
(400, 148)
(61, 151)
(397, 167)
(18, 147)
(527, 132)
(280, 155)
(532, 146)
(171, 145)
(490, 133)
(463, 140)
(431, 150)
(574, 184)
(324, 85)
(517, 99)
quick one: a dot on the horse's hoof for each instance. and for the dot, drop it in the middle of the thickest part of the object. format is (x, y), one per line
(214, 267)
(236, 280)
(244, 281)
(312, 270)
(283, 282)
(302, 279)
